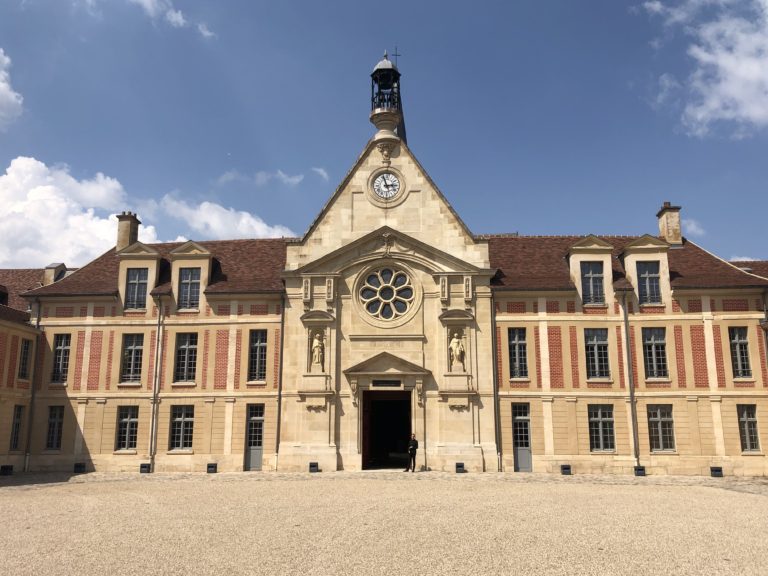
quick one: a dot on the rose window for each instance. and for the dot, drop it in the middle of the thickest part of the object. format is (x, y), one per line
(387, 293)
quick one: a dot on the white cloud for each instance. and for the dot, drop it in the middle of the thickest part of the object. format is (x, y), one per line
(693, 228)
(202, 27)
(47, 215)
(322, 172)
(262, 178)
(175, 18)
(11, 102)
(728, 83)
(230, 176)
(289, 180)
(741, 258)
(214, 221)
(154, 8)
(668, 90)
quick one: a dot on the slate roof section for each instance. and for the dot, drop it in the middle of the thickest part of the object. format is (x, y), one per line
(13, 315)
(536, 263)
(19, 280)
(237, 267)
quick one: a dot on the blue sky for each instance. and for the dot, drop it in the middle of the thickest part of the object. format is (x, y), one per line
(239, 118)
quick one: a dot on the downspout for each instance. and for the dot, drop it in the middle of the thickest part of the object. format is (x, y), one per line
(156, 385)
(631, 374)
(496, 400)
(33, 383)
(280, 378)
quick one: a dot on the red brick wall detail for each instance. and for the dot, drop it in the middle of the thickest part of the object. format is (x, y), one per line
(79, 352)
(536, 307)
(515, 307)
(94, 366)
(238, 354)
(168, 357)
(738, 384)
(40, 348)
(151, 367)
(276, 365)
(259, 309)
(595, 310)
(615, 307)
(712, 305)
(758, 304)
(206, 342)
(598, 384)
(278, 310)
(498, 357)
(652, 310)
(222, 351)
(620, 350)
(3, 338)
(83, 311)
(98, 311)
(14, 349)
(719, 357)
(631, 307)
(556, 357)
(239, 309)
(570, 306)
(633, 353)
(65, 311)
(110, 355)
(537, 343)
(676, 306)
(553, 307)
(700, 379)
(154, 311)
(114, 310)
(694, 305)
(46, 312)
(735, 305)
(680, 357)
(574, 356)
(223, 309)
(763, 365)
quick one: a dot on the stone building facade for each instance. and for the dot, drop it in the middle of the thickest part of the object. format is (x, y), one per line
(387, 318)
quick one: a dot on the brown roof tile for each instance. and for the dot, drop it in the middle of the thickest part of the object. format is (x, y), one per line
(13, 315)
(757, 267)
(19, 280)
(238, 266)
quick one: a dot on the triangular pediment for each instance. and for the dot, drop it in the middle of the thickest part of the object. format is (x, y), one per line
(138, 250)
(646, 243)
(189, 249)
(384, 364)
(590, 244)
(387, 243)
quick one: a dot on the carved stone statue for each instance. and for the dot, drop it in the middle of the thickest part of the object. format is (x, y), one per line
(456, 351)
(318, 351)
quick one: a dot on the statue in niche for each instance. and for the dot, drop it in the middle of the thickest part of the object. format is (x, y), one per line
(318, 351)
(456, 352)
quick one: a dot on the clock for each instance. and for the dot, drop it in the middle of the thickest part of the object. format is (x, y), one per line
(386, 185)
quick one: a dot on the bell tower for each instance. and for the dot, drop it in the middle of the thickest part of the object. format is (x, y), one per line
(386, 102)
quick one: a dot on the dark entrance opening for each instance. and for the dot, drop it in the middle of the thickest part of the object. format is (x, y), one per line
(386, 429)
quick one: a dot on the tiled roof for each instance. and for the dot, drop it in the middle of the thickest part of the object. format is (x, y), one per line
(13, 315)
(238, 266)
(539, 263)
(758, 267)
(18, 280)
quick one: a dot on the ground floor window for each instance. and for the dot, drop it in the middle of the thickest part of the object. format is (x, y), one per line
(55, 427)
(601, 435)
(748, 427)
(18, 418)
(127, 427)
(661, 427)
(182, 426)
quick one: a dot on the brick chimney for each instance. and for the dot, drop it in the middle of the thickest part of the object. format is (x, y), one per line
(669, 224)
(127, 230)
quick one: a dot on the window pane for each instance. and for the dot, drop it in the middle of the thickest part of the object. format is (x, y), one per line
(592, 282)
(518, 354)
(648, 285)
(257, 356)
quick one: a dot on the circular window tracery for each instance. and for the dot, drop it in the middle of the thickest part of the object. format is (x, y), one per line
(387, 293)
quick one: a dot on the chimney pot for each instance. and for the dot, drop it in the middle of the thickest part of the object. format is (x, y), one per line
(669, 224)
(127, 229)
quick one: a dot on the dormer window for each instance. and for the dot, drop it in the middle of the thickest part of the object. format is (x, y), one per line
(648, 287)
(136, 288)
(592, 291)
(189, 287)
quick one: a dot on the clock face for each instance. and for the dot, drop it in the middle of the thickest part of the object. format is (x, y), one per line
(386, 185)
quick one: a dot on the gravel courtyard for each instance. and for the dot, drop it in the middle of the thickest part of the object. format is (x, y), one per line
(383, 522)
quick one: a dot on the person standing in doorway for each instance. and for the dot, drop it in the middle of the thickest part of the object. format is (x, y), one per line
(413, 446)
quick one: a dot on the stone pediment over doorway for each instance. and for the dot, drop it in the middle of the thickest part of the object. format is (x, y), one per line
(384, 364)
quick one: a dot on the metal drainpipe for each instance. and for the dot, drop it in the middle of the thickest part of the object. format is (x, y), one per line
(496, 400)
(156, 384)
(280, 378)
(38, 338)
(631, 373)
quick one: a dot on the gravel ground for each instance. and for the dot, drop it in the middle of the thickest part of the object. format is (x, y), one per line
(381, 522)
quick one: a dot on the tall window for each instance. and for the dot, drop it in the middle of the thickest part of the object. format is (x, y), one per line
(518, 353)
(189, 287)
(18, 419)
(748, 427)
(186, 357)
(55, 427)
(127, 427)
(661, 427)
(655, 353)
(648, 288)
(133, 349)
(257, 355)
(596, 346)
(182, 426)
(136, 288)
(24, 357)
(592, 283)
(61, 344)
(601, 427)
(739, 352)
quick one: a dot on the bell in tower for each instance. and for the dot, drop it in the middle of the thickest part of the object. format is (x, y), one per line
(386, 104)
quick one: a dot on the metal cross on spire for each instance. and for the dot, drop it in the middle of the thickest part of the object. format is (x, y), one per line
(395, 54)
